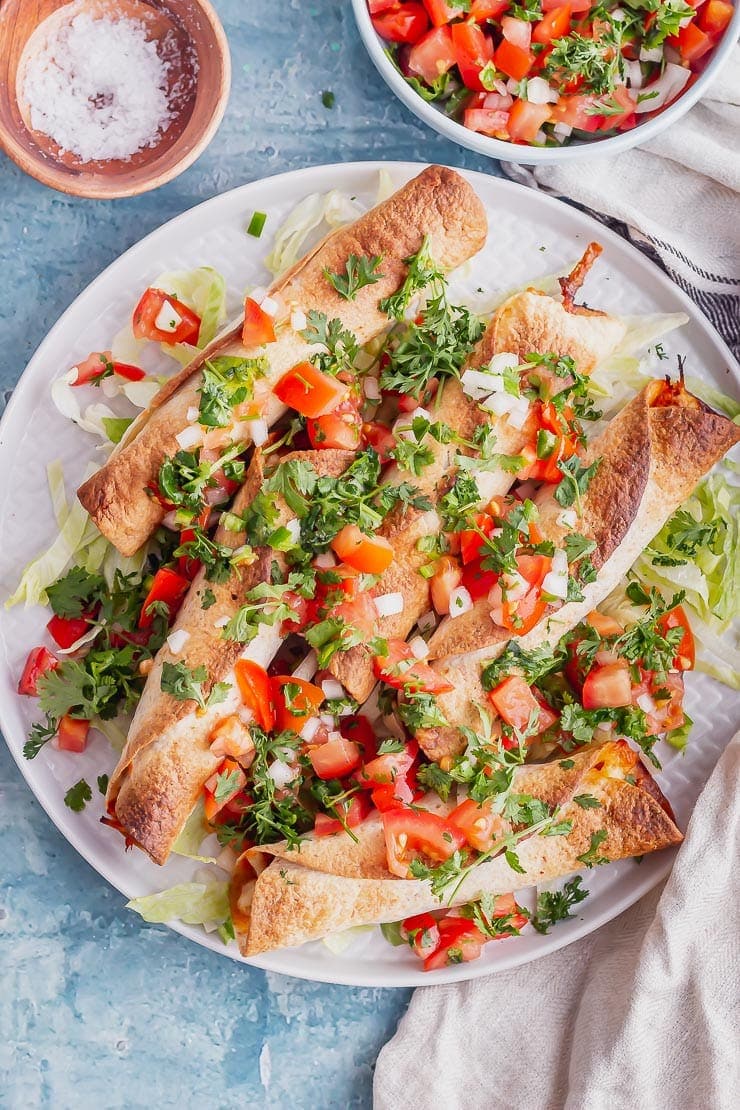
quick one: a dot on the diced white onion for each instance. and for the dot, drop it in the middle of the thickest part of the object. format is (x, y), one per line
(559, 562)
(325, 561)
(167, 319)
(280, 773)
(512, 86)
(562, 130)
(540, 137)
(258, 294)
(460, 601)
(427, 621)
(634, 74)
(646, 703)
(141, 393)
(500, 404)
(328, 720)
(215, 496)
(190, 436)
(111, 387)
(332, 689)
(654, 55)
(419, 647)
(293, 528)
(389, 605)
(606, 658)
(298, 320)
(226, 859)
(270, 306)
(170, 520)
(306, 669)
(556, 585)
(515, 585)
(519, 413)
(504, 360)
(567, 518)
(371, 388)
(402, 428)
(192, 414)
(478, 384)
(671, 82)
(258, 431)
(221, 622)
(310, 728)
(539, 91)
(176, 640)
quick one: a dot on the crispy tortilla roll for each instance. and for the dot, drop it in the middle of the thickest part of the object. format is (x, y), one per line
(525, 323)
(290, 904)
(167, 757)
(652, 454)
(438, 203)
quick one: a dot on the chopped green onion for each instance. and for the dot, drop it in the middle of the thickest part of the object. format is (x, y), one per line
(256, 224)
(328, 98)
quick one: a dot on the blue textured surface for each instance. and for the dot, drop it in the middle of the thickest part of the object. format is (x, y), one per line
(98, 1009)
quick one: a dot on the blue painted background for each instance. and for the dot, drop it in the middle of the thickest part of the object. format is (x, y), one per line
(96, 1008)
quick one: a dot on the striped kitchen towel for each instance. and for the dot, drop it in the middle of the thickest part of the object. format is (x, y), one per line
(677, 199)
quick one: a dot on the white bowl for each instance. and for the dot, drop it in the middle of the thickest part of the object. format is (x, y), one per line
(528, 155)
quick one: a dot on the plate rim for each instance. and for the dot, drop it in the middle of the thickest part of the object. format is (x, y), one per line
(275, 962)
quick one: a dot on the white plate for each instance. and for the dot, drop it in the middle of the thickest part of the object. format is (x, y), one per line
(530, 235)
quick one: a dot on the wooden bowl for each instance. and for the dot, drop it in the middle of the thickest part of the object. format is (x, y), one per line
(199, 73)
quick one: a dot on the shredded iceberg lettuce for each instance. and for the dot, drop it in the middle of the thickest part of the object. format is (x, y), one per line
(714, 397)
(191, 903)
(340, 942)
(203, 290)
(192, 835)
(332, 208)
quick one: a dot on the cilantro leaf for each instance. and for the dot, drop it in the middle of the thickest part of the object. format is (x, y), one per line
(359, 271)
(78, 796)
(554, 906)
(591, 856)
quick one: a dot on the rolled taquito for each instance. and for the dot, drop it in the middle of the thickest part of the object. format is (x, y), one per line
(438, 203)
(290, 904)
(653, 454)
(526, 323)
(167, 757)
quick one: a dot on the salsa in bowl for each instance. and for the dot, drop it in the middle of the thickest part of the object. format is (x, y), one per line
(542, 80)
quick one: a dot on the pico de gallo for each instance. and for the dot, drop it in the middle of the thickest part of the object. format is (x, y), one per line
(545, 72)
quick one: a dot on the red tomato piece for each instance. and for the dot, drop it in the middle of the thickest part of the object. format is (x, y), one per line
(40, 660)
(480, 826)
(471, 542)
(440, 12)
(447, 576)
(359, 613)
(258, 327)
(335, 759)
(403, 671)
(604, 625)
(515, 703)
(72, 734)
(515, 62)
(217, 783)
(170, 588)
(378, 6)
(473, 50)
(404, 23)
(359, 729)
(390, 768)
(256, 692)
(553, 25)
(686, 650)
(310, 391)
(477, 581)
(487, 121)
(295, 701)
(693, 42)
(607, 687)
(232, 737)
(433, 55)
(380, 438)
(422, 934)
(715, 16)
(526, 119)
(391, 796)
(575, 111)
(367, 554)
(340, 429)
(66, 631)
(460, 941)
(185, 322)
(93, 367)
(354, 811)
(409, 833)
(481, 10)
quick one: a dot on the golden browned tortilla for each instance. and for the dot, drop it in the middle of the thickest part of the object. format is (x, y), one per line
(167, 757)
(438, 203)
(292, 902)
(653, 455)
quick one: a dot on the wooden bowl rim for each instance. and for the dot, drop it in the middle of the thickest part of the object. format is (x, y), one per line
(100, 188)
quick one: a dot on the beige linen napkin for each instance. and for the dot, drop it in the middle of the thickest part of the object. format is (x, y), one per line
(644, 1014)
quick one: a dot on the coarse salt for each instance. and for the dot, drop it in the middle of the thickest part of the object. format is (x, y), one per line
(98, 88)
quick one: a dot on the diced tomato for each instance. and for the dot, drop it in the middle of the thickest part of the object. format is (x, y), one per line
(360, 614)
(421, 933)
(576, 6)
(381, 438)
(441, 12)
(693, 42)
(233, 811)
(604, 625)
(487, 121)
(477, 581)
(359, 729)
(66, 631)
(516, 704)
(186, 322)
(168, 587)
(403, 671)
(526, 119)
(517, 31)
(310, 391)
(93, 367)
(533, 568)
(621, 96)
(481, 10)
(295, 701)
(473, 50)
(523, 614)
(232, 737)
(392, 795)
(256, 692)
(576, 111)
(471, 542)
(354, 811)
(553, 25)
(478, 823)
(668, 692)
(715, 16)
(409, 833)
(340, 429)
(378, 6)
(515, 62)
(547, 469)
(228, 773)
(433, 55)
(607, 687)
(186, 566)
(405, 23)
(72, 734)
(368, 554)
(460, 941)
(686, 650)
(258, 327)
(335, 759)
(447, 576)
(299, 606)
(388, 769)
(40, 660)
